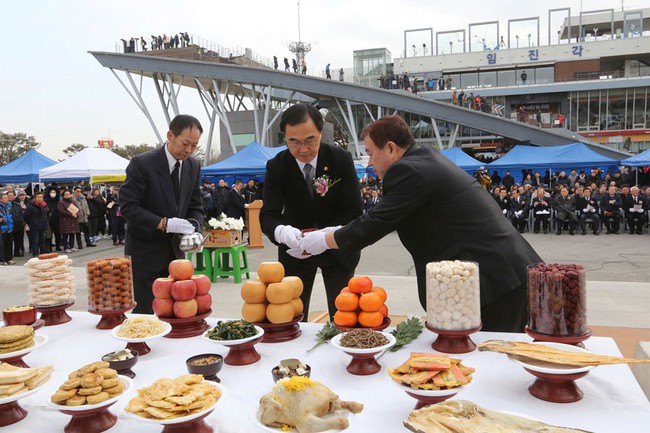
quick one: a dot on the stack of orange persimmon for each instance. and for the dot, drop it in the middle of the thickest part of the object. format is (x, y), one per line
(360, 304)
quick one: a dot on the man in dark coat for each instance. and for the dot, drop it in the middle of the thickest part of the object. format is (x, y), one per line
(236, 204)
(635, 207)
(160, 194)
(440, 213)
(565, 211)
(292, 203)
(587, 207)
(518, 211)
(508, 181)
(610, 210)
(36, 217)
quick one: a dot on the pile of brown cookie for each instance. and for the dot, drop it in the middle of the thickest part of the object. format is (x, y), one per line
(110, 284)
(17, 337)
(91, 384)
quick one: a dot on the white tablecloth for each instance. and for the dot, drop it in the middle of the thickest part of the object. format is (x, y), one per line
(613, 400)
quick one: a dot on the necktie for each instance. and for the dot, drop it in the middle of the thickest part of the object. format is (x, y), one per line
(309, 178)
(176, 184)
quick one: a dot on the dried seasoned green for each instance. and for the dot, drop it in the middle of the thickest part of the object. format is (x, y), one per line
(232, 330)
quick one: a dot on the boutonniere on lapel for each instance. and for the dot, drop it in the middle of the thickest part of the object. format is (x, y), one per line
(322, 184)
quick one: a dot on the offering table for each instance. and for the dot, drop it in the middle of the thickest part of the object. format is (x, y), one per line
(613, 401)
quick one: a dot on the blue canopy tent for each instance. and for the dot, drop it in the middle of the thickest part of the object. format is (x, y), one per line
(24, 169)
(456, 155)
(248, 163)
(640, 160)
(557, 158)
(463, 160)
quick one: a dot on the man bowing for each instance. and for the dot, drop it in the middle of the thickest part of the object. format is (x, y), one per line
(160, 194)
(310, 185)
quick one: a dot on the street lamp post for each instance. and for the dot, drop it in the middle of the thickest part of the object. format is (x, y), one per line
(414, 50)
(517, 37)
(529, 39)
(451, 47)
(424, 49)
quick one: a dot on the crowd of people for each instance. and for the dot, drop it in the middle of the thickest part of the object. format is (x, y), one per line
(576, 202)
(229, 200)
(59, 218)
(157, 42)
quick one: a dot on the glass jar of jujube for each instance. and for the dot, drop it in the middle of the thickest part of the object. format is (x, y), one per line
(557, 299)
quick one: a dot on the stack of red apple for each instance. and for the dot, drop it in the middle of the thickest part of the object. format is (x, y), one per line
(182, 295)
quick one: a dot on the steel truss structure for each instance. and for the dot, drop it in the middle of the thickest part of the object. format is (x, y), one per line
(225, 88)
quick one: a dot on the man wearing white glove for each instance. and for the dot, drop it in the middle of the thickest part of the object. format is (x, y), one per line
(426, 200)
(519, 208)
(161, 201)
(293, 203)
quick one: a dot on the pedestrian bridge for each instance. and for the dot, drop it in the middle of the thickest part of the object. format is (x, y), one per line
(225, 88)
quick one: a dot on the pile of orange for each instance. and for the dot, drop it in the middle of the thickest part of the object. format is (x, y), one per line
(360, 304)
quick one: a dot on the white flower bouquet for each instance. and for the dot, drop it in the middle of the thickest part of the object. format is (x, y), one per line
(225, 223)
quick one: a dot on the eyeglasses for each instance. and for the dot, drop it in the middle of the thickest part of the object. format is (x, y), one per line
(309, 142)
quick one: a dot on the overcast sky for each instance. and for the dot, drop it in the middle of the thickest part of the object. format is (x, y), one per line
(53, 89)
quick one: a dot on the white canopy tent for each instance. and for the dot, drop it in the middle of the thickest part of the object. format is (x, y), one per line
(86, 164)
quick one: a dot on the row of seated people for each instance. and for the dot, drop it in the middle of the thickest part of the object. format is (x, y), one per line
(576, 210)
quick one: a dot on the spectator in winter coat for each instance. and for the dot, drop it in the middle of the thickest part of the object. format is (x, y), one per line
(83, 217)
(68, 223)
(52, 198)
(6, 230)
(18, 207)
(37, 218)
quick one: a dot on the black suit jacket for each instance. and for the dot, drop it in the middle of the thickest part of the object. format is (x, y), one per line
(147, 196)
(628, 203)
(235, 204)
(441, 213)
(287, 200)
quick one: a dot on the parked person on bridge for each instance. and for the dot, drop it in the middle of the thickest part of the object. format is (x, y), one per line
(295, 66)
(143, 44)
(327, 72)
(304, 68)
(440, 213)
(275, 62)
(286, 65)
(341, 74)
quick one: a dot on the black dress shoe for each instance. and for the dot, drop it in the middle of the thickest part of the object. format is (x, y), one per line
(559, 232)
(91, 245)
(545, 231)
(639, 232)
(536, 231)
(596, 233)
(59, 249)
(584, 232)
(571, 232)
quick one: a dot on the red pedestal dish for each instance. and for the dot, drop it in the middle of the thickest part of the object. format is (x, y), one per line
(363, 360)
(185, 328)
(450, 341)
(556, 388)
(575, 340)
(55, 315)
(111, 319)
(90, 421)
(281, 332)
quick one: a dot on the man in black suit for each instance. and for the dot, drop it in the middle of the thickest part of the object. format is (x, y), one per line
(440, 213)
(160, 194)
(292, 203)
(610, 210)
(635, 207)
(587, 208)
(236, 204)
(518, 211)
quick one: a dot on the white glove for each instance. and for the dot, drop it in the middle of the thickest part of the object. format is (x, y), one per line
(288, 235)
(505, 211)
(298, 253)
(518, 213)
(179, 225)
(632, 209)
(314, 243)
(585, 210)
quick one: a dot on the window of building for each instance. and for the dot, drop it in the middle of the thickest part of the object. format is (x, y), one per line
(488, 79)
(544, 75)
(506, 78)
(469, 80)
(639, 108)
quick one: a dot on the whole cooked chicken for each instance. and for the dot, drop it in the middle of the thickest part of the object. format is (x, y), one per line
(302, 403)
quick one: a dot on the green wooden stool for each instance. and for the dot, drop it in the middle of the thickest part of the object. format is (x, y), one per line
(239, 267)
(204, 263)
